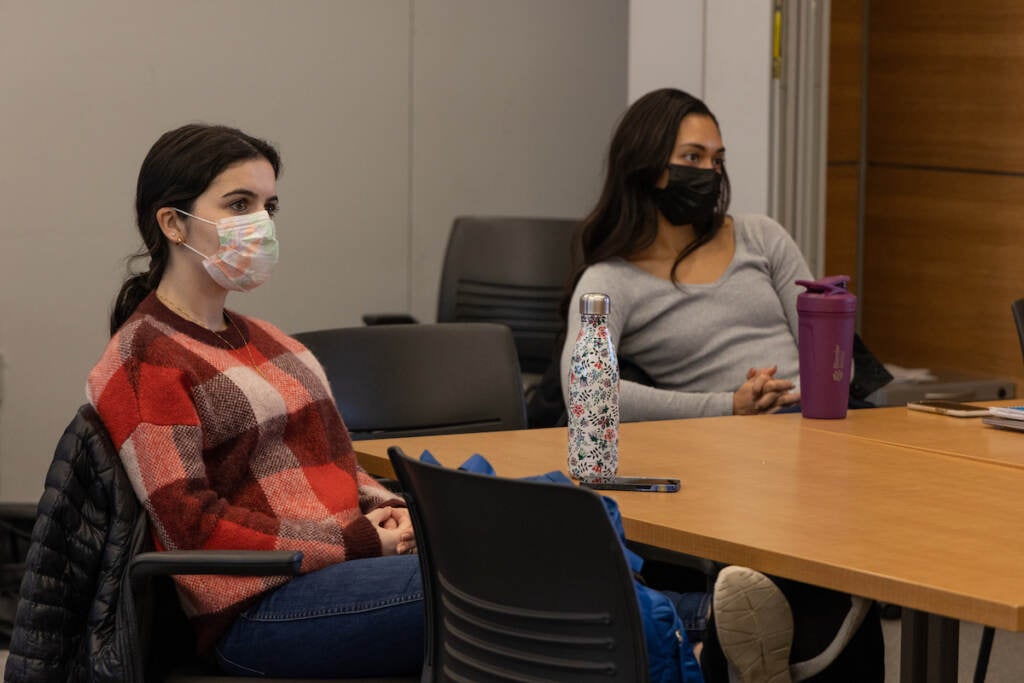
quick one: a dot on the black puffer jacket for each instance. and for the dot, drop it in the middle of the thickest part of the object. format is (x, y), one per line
(74, 623)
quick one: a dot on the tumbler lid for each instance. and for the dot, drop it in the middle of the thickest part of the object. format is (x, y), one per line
(595, 304)
(827, 295)
(833, 284)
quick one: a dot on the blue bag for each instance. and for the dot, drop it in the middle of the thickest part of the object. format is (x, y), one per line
(669, 654)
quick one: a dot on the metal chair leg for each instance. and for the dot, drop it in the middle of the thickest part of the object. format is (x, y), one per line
(984, 650)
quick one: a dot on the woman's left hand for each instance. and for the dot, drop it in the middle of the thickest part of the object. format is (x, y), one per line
(407, 545)
(399, 520)
(787, 399)
(770, 394)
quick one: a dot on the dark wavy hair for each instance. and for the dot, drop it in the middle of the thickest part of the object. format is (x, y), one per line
(625, 219)
(178, 168)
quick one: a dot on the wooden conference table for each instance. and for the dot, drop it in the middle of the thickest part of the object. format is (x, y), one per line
(915, 509)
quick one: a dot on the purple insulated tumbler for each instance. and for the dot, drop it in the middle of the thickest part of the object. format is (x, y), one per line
(826, 311)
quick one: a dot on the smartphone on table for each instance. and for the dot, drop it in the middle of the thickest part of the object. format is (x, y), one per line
(949, 408)
(647, 484)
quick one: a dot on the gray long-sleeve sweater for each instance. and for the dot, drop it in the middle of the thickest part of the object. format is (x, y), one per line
(697, 341)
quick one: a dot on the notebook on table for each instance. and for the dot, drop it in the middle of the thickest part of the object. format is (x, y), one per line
(1004, 423)
(1006, 417)
(1008, 412)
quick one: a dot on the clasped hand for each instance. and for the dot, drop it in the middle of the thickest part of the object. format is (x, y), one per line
(762, 393)
(394, 527)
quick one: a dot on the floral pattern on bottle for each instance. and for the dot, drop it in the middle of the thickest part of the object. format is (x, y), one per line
(593, 418)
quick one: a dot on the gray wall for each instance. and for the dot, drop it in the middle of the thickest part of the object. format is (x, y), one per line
(393, 117)
(720, 51)
(514, 104)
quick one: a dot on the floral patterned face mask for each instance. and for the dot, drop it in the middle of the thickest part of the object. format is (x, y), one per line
(247, 254)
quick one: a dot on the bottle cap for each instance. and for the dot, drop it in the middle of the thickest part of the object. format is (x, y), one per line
(595, 304)
(833, 284)
(827, 295)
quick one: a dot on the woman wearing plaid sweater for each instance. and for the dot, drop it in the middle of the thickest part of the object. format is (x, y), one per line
(231, 438)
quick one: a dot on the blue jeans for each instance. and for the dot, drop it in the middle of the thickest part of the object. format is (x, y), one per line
(357, 618)
(693, 609)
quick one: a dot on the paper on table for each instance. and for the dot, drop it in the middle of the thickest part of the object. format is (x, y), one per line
(1012, 412)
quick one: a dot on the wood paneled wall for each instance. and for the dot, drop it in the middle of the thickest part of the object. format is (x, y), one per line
(943, 259)
(943, 249)
(945, 86)
(944, 220)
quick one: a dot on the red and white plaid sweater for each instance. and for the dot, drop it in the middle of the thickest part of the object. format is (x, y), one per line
(227, 457)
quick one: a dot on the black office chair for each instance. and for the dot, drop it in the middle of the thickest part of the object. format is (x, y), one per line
(16, 521)
(1018, 318)
(410, 380)
(511, 271)
(86, 486)
(523, 581)
(507, 270)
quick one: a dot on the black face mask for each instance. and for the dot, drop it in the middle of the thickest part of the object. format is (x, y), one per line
(691, 195)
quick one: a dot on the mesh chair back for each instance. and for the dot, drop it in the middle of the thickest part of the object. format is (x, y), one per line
(511, 271)
(523, 581)
(408, 380)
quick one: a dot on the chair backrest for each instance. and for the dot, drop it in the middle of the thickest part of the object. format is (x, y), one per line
(1018, 318)
(522, 580)
(408, 380)
(511, 271)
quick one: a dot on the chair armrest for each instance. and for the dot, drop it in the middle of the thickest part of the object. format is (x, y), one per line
(389, 319)
(18, 511)
(390, 484)
(237, 562)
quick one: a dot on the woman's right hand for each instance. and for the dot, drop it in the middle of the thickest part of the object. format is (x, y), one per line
(395, 537)
(762, 393)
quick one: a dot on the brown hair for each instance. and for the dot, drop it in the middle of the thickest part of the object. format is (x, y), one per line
(178, 168)
(625, 219)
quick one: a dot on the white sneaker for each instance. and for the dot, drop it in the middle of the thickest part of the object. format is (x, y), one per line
(754, 626)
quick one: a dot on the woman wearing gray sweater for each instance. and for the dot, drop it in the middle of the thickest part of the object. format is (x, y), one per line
(703, 307)
(702, 302)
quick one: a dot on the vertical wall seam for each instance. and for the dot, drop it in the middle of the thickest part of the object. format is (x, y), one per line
(862, 164)
(411, 150)
(824, 35)
(629, 54)
(704, 51)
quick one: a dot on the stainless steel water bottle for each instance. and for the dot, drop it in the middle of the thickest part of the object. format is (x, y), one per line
(593, 408)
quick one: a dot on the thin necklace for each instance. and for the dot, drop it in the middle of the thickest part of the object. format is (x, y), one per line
(187, 316)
